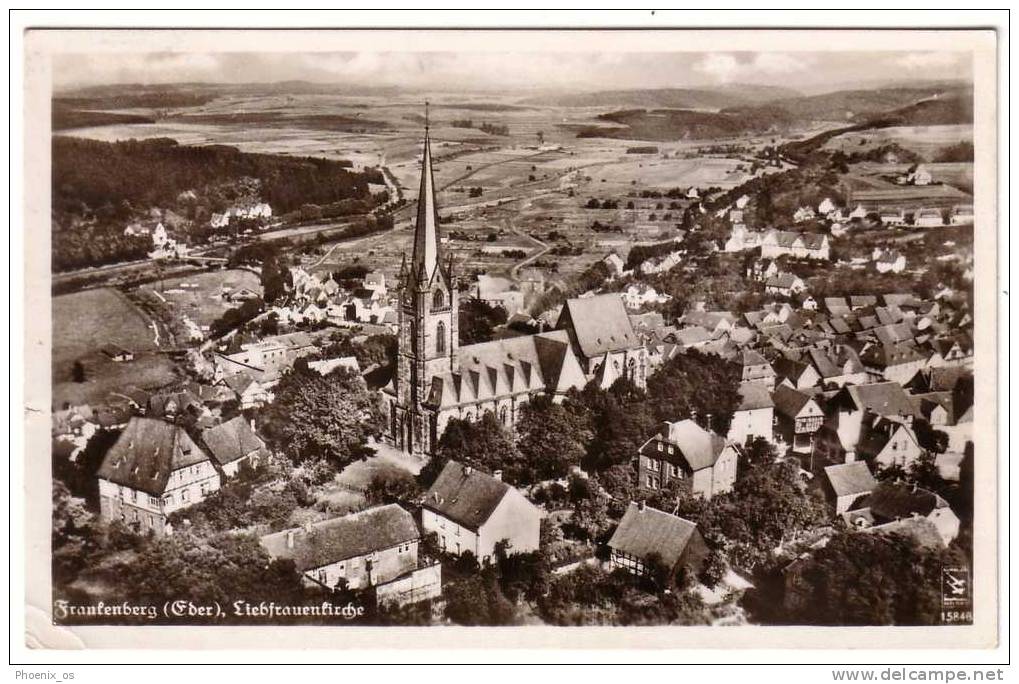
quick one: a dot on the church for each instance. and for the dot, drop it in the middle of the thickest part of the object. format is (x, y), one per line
(437, 379)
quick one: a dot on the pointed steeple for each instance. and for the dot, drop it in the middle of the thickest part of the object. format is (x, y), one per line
(426, 231)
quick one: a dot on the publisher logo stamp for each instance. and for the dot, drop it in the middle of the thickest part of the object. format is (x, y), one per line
(956, 595)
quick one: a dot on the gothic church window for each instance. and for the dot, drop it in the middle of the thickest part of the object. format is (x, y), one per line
(438, 300)
(440, 336)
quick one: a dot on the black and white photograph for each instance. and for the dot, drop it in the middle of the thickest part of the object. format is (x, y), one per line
(542, 330)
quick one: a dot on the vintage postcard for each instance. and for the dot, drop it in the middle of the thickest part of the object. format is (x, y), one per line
(686, 334)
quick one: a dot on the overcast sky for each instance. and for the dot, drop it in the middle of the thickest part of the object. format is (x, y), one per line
(807, 71)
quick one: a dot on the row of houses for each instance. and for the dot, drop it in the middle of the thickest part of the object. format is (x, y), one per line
(776, 243)
(313, 300)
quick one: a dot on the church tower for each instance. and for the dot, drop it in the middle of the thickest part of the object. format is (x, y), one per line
(427, 318)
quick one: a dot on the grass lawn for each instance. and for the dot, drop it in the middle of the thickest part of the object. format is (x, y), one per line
(198, 296)
(85, 321)
(345, 493)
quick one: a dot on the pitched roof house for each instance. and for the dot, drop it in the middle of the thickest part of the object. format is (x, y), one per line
(471, 511)
(797, 416)
(233, 443)
(891, 503)
(371, 548)
(847, 483)
(755, 415)
(646, 532)
(153, 469)
(701, 461)
(600, 331)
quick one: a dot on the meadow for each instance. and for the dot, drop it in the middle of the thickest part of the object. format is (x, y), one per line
(85, 321)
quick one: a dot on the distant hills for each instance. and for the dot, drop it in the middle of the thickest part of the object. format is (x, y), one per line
(928, 105)
(732, 95)
(683, 124)
(855, 106)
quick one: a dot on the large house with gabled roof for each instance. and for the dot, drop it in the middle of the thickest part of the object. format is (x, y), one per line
(152, 470)
(683, 453)
(471, 512)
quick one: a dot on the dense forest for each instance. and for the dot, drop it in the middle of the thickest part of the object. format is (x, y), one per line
(99, 188)
(682, 124)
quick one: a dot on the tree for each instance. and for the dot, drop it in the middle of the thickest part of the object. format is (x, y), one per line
(696, 384)
(478, 600)
(766, 507)
(924, 473)
(483, 444)
(478, 319)
(622, 421)
(760, 452)
(73, 542)
(869, 579)
(78, 372)
(552, 438)
(931, 438)
(223, 569)
(323, 417)
(765, 207)
(274, 277)
(390, 486)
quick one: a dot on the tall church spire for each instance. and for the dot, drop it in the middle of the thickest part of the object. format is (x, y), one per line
(426, 231)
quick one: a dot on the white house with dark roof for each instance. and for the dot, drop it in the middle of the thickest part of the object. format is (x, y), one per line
(890, 504)
(755, 415)
(471, 512)
(928, 218)
(377, 547)
(152, 470)
(887, 443)
(755, 368)
(776, 243)
(797, 417)
(785, 284)
(703, 462)
(646, 532)
(855, 408)
(896, 362)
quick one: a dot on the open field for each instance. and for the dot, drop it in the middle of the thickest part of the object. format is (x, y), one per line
(85, 321)
(910, 197)
(531, 185)
(198, 297)
(927, 141)
(957, 174)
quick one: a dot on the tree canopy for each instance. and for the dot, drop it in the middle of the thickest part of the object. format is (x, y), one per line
(478, 320)
(327, 417)
(698, 385)
(552, 438)
(869, 579)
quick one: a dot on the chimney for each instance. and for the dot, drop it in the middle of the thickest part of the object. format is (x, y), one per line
(497, 474)
(251, 423)
(641, 505)
(290, 539)
(468, 470)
